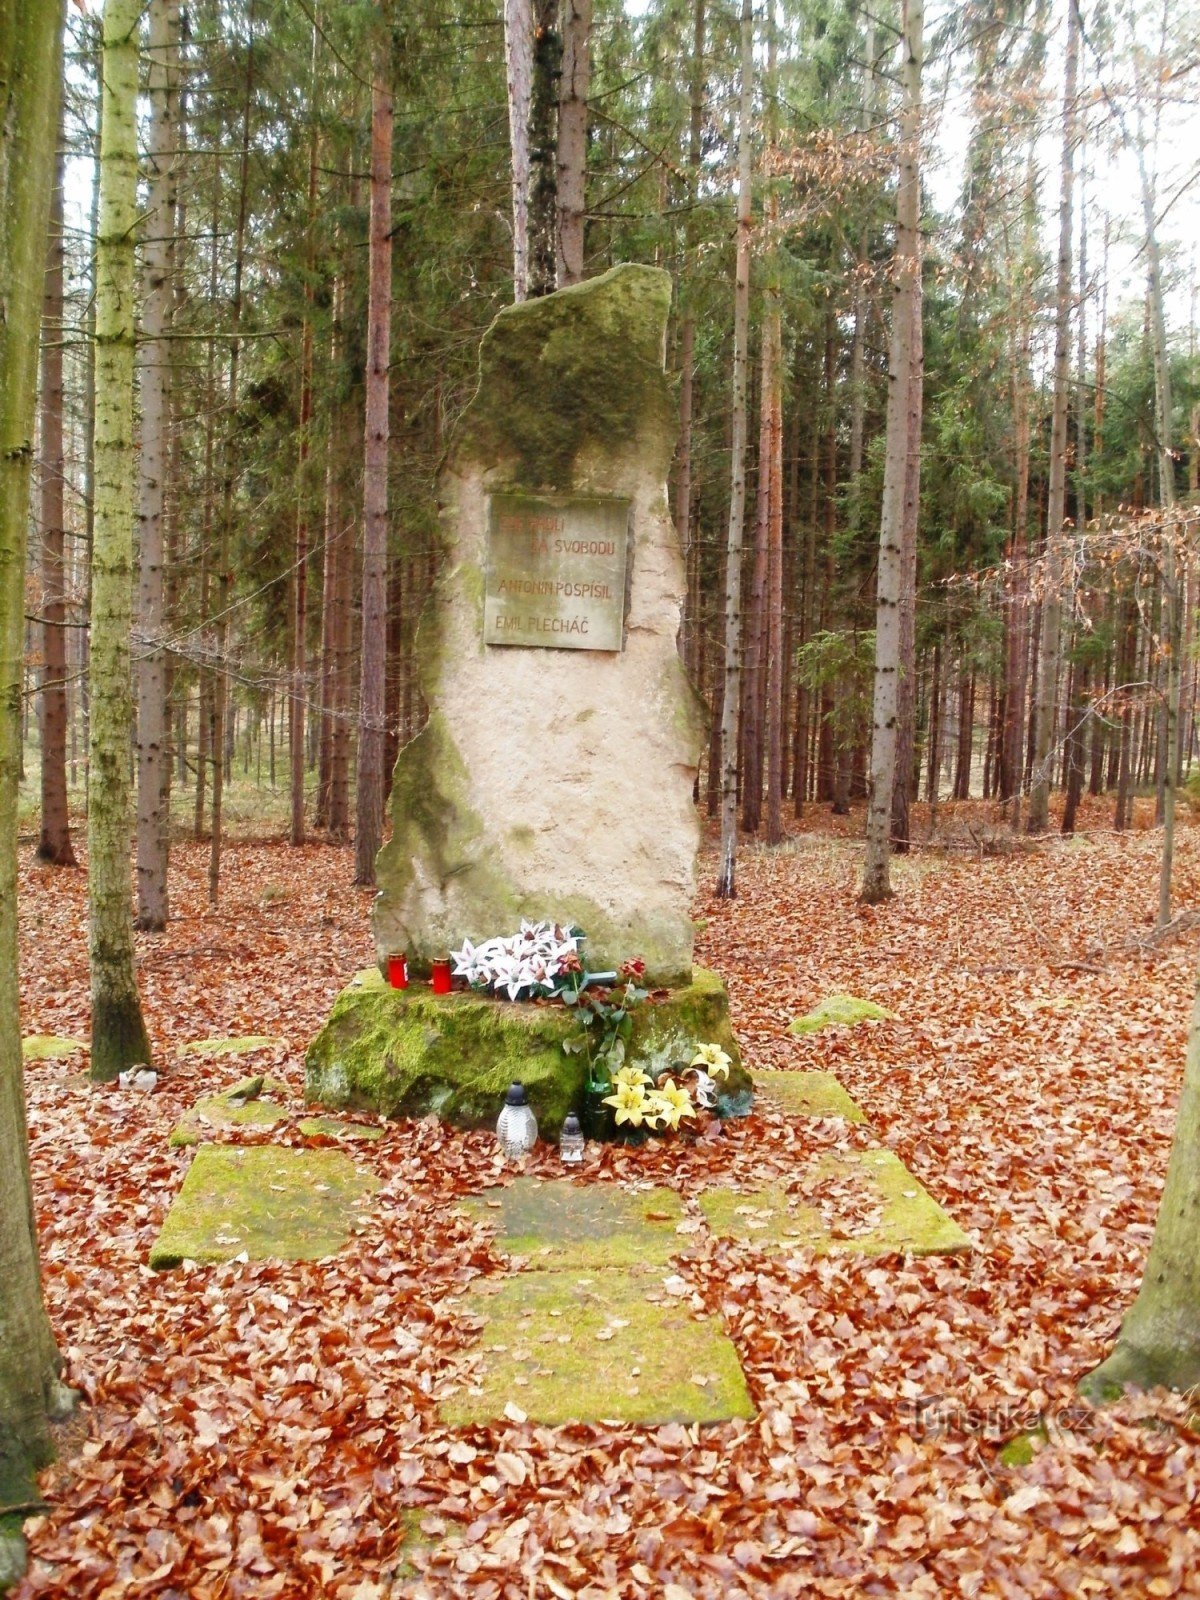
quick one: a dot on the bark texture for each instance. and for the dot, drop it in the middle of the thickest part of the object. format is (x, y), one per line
(153, 752)
(572, 138)
(118, 1032)
(30, 63)
(1159, 1342)
(906, 289)
(372, 685)
(1056, 498)
(54, 837)
(726, 873)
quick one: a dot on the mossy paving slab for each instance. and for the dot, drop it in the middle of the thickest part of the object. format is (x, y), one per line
(809, 1094)
(909, 1218)
(240, 1046)
(230, 1109)
(270, 1202)
(840, 1011)
(591, 1347)
(49, 1047)
(558, 1223)
(338, 1128)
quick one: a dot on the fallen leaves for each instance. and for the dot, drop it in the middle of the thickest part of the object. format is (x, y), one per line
(266, 1429)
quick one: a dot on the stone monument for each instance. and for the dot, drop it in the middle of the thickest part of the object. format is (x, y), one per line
(554, 776)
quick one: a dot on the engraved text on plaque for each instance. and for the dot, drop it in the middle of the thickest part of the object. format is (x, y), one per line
(556, 572)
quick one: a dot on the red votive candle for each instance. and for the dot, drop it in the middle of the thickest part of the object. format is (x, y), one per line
(398, 971)
(441, 977)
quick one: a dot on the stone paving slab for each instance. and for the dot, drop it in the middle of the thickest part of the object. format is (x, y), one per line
(568, 1346)
(339, 1128)
(264, 1200)
(808, 1094)
(565, 1224)
(864, 1202)
(239, 1046)
(231, 1109)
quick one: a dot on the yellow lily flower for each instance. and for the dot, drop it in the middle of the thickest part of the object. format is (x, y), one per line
(712, 1059)
(672, 1103)
(631, 1076)
(631, 1105)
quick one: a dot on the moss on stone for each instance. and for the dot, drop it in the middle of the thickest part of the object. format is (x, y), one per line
(294, 1205)
(911, 1220)
(570, 375)
(408, 1052)
(228, 1047)
(561, 1223)
(338, 1128)
(840, 1011)
(809, 1094)
(14, 1554)
(48, 1047)
(231, 1109)
(591, 1347)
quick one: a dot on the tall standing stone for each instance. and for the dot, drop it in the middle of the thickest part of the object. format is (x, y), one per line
(554, 775)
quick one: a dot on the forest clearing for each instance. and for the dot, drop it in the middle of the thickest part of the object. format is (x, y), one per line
(599, 796)
(232, 1442)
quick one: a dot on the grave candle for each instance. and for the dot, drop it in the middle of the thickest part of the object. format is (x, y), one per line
(441, 977)
(398, 971)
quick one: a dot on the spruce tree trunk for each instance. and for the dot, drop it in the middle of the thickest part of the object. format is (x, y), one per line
(304, 487)
(219, 721)
(572, 138)
(373, 681)
(906, 288)
(543, 148)
(118, 1032)
(903, 779)
(54, 837)
(1045, 716)
(153, 749)
(1159, 1342)
(30, 94)
(726, 886)
(518, 57)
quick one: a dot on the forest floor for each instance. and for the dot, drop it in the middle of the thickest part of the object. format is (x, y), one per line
(268, 1428)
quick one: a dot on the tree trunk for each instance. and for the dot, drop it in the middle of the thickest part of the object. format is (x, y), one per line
(30, 94)
(726, 886)
(772, 466)
(373, 681)
(54, 836)
(304, 487)
(543, 148)
(153, 744)
(906, 699)
(906, 288)
(118, 1032)
(572, 139)
(752, 677)
(1039, 798)
(518, 57)
(1159, 1342)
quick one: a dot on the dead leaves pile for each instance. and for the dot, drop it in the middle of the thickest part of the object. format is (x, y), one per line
(270, 1429)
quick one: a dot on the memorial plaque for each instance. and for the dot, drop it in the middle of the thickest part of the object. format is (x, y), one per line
(556, 572)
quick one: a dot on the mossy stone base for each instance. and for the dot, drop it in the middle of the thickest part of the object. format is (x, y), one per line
(840, 1011)
(592, 1347)
(887, 1210)
(563, 1224)
(409, 1052)
(808, 1094)
(265, 1201)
